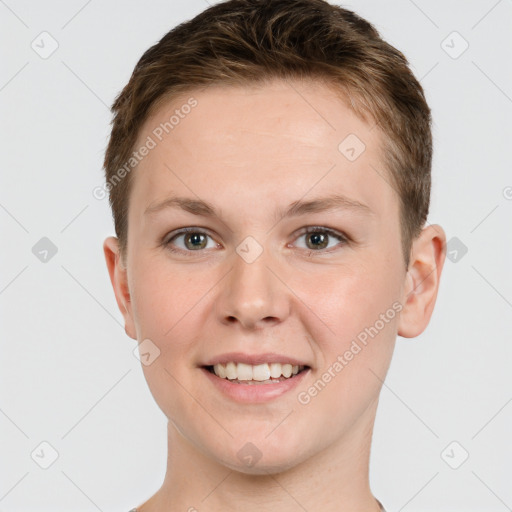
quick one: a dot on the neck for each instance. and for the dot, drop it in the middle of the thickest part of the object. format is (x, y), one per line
(333, 480)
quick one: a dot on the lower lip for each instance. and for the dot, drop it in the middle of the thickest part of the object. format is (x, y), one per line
(254, 393)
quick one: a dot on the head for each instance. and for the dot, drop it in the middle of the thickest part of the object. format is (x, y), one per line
(260, 120)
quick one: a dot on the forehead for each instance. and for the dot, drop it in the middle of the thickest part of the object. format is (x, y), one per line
(281, 141)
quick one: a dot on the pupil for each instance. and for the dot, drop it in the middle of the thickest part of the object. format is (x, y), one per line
(193, 238)
(318, 238)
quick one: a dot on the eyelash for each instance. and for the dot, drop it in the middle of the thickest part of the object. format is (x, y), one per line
(344, 240)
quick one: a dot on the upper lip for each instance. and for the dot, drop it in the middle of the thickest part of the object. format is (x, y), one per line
(254, 359)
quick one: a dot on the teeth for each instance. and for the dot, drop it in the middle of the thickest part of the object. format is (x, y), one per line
(230, 371)
(287, 370)
(221, 371)
(275, 370)
(260, 372)
(244, 371)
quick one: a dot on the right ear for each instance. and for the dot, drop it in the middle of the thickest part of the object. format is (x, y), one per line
(119, 280)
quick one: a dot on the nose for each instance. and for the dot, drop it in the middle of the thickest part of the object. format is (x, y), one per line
(253, 294)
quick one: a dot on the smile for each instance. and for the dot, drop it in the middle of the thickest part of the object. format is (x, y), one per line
(246, 383)
(265, 373)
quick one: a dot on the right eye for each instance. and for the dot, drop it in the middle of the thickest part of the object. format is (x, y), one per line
(190, 240)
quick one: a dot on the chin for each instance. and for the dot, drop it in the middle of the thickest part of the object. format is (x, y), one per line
(263, 467)
(263, 458)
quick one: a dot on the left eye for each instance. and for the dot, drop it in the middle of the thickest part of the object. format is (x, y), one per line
(318, 238)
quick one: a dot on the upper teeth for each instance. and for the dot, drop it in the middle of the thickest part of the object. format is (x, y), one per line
(242, 371)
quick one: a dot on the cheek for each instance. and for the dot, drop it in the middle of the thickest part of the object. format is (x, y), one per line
(163, 295)
(165, 302)
(360, 307)
(361, 311)
(166, 305)
(350, 298)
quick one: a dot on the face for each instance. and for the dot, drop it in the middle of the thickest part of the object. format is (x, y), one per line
(292, 255)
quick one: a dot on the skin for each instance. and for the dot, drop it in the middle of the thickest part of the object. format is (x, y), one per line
(248, 151)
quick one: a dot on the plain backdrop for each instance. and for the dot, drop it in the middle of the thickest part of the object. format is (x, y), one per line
(72, 394)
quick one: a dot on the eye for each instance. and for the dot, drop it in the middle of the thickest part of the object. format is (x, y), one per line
(318, 238)
(189, 240)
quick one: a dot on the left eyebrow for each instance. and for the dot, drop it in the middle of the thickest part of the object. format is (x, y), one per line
(322, 204)
(297, 208)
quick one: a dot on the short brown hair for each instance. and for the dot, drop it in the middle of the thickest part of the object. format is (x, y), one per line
(241, 42)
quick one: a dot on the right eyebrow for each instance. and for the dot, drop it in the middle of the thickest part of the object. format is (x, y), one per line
(194, 206)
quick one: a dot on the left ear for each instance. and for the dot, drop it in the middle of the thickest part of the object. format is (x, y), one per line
(422, 281)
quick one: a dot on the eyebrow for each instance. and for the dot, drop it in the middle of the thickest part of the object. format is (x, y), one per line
(297, 208)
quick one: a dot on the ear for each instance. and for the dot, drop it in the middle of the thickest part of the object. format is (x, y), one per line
(422, 281)
(119, 280)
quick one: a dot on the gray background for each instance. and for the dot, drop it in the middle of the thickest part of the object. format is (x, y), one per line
(68, 373)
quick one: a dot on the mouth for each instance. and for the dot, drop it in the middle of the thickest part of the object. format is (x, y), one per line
(260, 374)
(236, 382)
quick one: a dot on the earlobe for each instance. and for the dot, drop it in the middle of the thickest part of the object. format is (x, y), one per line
(422, 281)
(119, 280)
